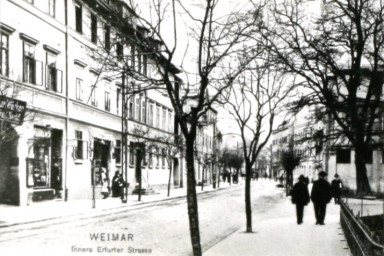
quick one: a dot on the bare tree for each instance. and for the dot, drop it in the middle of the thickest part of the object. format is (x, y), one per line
(218, 39)
(254, 103)
(337, 51)
(170, 147)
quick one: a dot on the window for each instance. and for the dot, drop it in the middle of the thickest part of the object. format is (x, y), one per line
(170, 121)
(53, 82)
(133, 57)
(93, 28)
(157, 160)
(150, 114)
(107, 38)
(117, 152)
(137, 112)
(150, 160)
(343, 155)
(163, 155)
(164, 118)
(80, 151)
(131, 109)
(143, 111)
(131, 153)
(107, 101)
(139, 66)
(118, 95)
(4, 58)
(29, 69)
(145, 65)
(93, 96)
(157, 124)
(51, 7)
(119, 51)
(79, 17)
(79, 89)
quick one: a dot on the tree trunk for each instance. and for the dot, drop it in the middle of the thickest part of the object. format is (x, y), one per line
(169, 178)
(202, 178)
(362, 182)
(248, 207)
(193, 213)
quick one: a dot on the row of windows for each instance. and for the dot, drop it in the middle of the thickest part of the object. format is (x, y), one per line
(138, 60)
(343, 156)
(149, 112)
(204, 139)
(33, 73)
(33, 69)
(50, 6)
(81, 153)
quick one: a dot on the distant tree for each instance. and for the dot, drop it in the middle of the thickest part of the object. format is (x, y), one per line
(235, 161)
(289, 161)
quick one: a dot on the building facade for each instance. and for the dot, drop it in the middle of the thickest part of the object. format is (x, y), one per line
(71, 136)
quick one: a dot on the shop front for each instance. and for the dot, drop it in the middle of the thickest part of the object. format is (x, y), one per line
(44, 164)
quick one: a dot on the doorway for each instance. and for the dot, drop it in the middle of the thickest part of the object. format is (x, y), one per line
(9, 171)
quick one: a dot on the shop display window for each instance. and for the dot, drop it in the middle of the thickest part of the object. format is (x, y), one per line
(38, 174)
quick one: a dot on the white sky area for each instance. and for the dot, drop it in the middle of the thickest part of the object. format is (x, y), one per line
(187, 47)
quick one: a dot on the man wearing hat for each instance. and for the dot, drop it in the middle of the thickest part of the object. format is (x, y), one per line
(321, 195)
(336, 186)
(300, 197)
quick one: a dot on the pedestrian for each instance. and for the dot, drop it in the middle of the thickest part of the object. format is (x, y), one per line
(336, 186)
(306, 180)
(105, 188)
(321, 195)
(300, 197)
(116, 184)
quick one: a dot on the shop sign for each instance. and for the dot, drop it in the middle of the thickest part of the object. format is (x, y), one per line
(12, 110)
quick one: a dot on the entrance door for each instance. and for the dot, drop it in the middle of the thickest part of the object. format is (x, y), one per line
(9, 173)
(101, 158)
(56, 162)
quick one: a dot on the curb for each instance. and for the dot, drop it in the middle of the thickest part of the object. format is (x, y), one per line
(107, 211)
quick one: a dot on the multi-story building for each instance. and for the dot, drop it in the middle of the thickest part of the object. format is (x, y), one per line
(297, 135)
(73, 127)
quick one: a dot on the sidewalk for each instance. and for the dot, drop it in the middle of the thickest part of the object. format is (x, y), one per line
(278, 234)
(75, 209)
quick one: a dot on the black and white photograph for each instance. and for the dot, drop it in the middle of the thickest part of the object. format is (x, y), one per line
(192, 127)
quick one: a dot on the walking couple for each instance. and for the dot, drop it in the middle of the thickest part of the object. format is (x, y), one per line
(321, 195)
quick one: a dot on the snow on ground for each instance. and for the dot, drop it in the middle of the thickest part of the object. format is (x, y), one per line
(162, 229)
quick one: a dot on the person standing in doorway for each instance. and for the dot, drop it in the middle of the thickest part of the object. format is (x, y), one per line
(336, 186)
(321, 195)
(300, 197)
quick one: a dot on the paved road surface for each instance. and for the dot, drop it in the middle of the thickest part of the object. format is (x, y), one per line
(153, 230)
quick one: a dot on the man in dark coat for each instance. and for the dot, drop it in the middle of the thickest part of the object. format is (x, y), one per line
(336, 186)
(300, 197)
(321, 195)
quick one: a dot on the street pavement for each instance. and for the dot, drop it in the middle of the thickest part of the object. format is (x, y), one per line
(162, 226)
(279, 235)
(60, 211)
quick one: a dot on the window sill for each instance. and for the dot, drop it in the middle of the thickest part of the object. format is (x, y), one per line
(78, 161)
